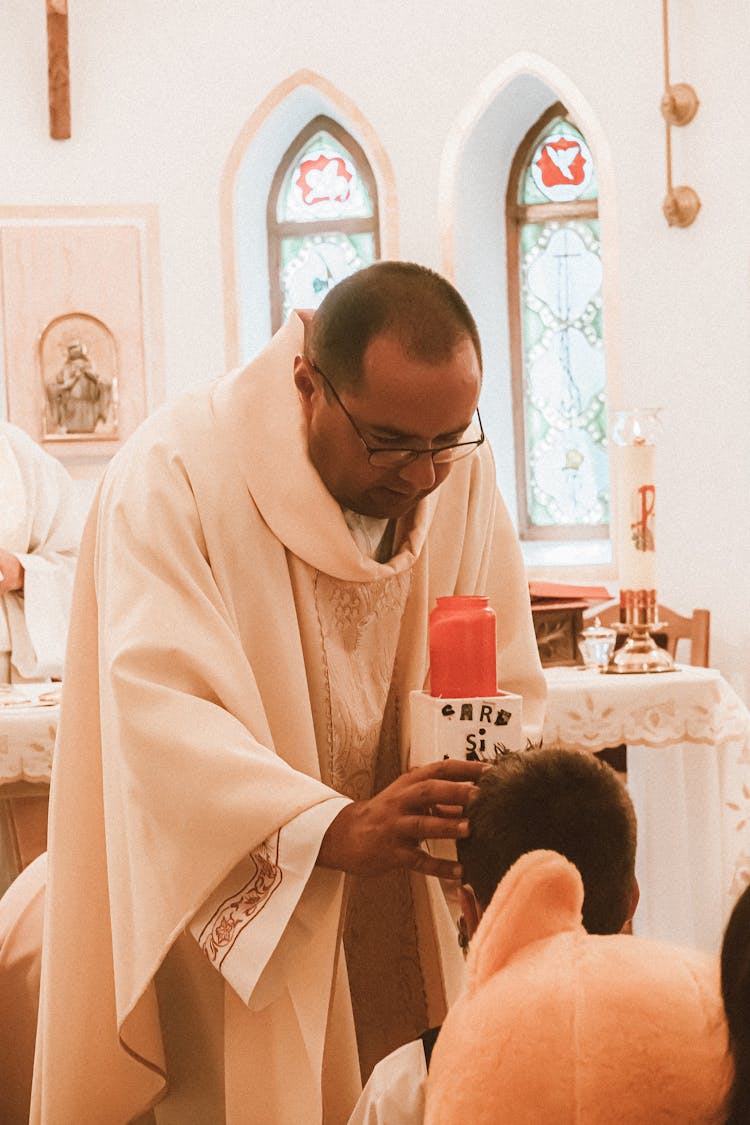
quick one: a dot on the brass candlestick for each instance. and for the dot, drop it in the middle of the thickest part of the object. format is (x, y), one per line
(640, 653)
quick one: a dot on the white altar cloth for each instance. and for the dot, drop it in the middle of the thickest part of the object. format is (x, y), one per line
(29, 715)
(688, 739)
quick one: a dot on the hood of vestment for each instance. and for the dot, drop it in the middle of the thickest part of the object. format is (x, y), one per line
(259, 409)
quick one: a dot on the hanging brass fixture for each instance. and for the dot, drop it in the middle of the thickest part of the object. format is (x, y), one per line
(679, 105)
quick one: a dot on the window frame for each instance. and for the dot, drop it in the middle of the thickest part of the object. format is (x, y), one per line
(516, 216)
(278, 230)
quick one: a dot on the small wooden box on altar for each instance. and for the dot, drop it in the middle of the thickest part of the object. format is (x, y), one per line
(557, 611)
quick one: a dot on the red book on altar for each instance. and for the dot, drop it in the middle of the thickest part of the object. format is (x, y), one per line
(560, 592)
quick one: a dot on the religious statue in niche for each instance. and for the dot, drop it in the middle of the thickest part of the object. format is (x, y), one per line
(79, 398)
(79, 374)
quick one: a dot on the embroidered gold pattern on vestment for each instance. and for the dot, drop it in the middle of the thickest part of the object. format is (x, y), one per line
(359, 629)
(230, 918)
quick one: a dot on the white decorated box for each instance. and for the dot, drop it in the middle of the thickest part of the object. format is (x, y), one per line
(476, 729)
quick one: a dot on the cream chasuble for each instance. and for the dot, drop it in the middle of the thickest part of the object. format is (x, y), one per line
(237, 670)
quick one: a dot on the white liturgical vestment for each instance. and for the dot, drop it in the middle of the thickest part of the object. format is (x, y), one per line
(238, 670)
(40, 525)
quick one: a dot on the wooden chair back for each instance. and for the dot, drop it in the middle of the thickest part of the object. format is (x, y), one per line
(695, 629)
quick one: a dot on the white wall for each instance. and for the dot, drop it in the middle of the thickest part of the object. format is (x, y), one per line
(161, 91)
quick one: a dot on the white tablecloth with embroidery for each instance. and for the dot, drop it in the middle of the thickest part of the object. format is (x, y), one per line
(688, 739)
(28, 724)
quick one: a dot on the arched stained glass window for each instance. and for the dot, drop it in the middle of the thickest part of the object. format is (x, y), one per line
(557, 342)
(322, 217)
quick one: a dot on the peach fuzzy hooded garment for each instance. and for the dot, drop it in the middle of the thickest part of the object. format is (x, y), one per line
(561, 1026)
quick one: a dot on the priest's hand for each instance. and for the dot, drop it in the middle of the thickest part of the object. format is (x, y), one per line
(11, 573)
(382, 833)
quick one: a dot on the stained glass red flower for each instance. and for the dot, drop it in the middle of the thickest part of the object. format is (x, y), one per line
(324, 179)
(561, 162)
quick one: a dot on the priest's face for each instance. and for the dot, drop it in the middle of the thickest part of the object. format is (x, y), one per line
(400, 403)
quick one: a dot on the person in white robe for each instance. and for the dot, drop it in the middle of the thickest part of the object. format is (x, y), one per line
(238, 916)
(40, 530)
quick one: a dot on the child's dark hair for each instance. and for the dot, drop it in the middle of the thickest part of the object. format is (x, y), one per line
(565, 801)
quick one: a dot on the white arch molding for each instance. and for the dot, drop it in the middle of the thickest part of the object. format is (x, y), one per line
(245, 183)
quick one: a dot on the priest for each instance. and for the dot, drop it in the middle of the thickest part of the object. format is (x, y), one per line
(243, 913)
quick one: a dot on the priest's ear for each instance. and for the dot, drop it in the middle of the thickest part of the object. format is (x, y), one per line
(304, 379)
(635, 894)
(471, 911)
(305, 382)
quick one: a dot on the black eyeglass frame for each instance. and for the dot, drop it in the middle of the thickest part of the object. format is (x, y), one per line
(410, 455)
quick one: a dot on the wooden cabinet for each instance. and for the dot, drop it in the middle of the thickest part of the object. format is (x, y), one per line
(557, 625)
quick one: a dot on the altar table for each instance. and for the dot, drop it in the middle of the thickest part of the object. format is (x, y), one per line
(28, 724)
(688, 740)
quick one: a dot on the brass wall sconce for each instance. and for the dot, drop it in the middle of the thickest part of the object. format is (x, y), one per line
(679, 105)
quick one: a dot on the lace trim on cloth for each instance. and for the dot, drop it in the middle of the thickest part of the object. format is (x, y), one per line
(707, 714)
(234, 913)
(28, 738)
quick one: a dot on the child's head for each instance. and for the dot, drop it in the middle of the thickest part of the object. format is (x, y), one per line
(563, 801)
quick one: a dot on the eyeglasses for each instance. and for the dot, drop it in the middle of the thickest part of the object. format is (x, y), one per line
(392, 458)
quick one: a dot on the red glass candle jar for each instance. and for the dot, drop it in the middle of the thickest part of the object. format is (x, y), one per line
(463, 648)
